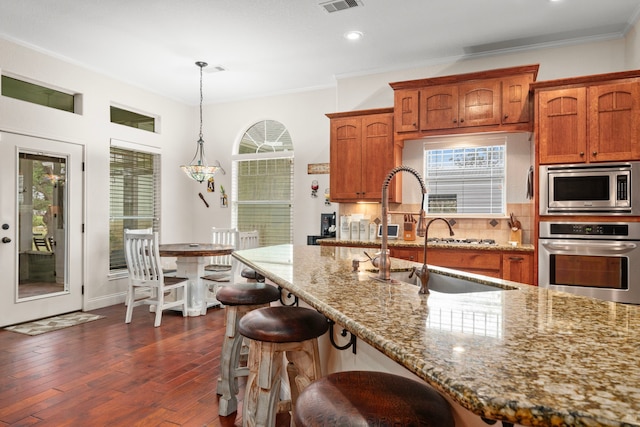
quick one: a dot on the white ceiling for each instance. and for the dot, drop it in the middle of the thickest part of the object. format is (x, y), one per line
(278, 46)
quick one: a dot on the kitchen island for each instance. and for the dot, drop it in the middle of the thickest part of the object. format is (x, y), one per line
(520, 354)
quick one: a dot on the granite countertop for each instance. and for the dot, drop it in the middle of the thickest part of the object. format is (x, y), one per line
(528, 355)
(419, 243)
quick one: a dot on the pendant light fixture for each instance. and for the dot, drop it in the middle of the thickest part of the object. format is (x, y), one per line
(198, 169)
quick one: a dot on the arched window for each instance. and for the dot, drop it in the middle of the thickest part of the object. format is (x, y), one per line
(262, 196)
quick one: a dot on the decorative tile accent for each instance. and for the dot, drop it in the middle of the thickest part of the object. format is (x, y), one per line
(452, 222)
(493, 222)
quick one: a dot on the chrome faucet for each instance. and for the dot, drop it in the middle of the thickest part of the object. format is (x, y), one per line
(423, 272)
(384, 264)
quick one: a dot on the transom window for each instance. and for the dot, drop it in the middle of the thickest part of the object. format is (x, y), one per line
(466, 177)
(37, 94)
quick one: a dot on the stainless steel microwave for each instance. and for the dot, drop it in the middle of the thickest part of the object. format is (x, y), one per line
(590, 189)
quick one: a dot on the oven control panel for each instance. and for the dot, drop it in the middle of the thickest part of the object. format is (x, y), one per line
(589, 229)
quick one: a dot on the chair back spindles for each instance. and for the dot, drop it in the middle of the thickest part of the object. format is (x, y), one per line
(142, 255)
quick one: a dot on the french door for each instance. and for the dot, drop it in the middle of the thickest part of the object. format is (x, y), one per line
(41, 217)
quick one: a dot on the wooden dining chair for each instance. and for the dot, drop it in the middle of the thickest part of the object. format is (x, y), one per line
(220, 268)
(145, 275)
(250, 240)
(41, 244)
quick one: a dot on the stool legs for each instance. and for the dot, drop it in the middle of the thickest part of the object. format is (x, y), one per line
(303, 367)
(230, 368)
(262, 394)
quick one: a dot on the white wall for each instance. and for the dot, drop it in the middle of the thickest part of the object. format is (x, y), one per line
(373, 91)
(632, 46)
(184, 217)
(93, 130)
(304, 116)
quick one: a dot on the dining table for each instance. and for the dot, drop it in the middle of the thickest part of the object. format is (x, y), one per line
(191, 258)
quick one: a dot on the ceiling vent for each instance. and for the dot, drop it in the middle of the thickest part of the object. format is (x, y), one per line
(338, 5)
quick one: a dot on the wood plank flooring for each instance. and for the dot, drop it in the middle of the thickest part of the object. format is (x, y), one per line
(108, 373)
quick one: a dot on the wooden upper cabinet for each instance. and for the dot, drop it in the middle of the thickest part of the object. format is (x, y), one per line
(486, 101)
(377, 154)
(406, 110)
(562, 124)
(362, 153)
(614, 120)
(516, 100)
(346, 159)
(439, 107)
(465, 105)
(589, 119)
(479, 103)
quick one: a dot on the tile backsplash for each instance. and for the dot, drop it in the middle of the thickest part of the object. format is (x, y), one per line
(473, 228)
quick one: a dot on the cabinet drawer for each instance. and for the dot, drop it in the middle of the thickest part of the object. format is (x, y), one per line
(465, 260)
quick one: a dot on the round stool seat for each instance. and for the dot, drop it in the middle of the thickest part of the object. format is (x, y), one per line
(247, 294)
(249, 273)
(363, 398)
(283, 324)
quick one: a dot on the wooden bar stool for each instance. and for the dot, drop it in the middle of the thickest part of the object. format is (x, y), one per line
(238, 299)
(273, 331)
(363, 398)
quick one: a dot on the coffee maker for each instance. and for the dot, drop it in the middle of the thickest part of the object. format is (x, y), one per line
(328, 224)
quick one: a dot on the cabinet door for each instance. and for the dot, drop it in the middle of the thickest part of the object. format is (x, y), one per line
(346, 159)
(481, 262)
(406, 103)
(479, 103)
(377, 154)
(517, 268)
(410, 254)
(614, 115)
(439, 107)
(562, 126)
(516, 102)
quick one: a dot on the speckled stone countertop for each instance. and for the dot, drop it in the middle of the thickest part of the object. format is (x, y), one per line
(527, 355)
(419, 243)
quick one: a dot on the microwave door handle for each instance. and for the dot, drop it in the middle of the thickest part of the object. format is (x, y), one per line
(591, 248)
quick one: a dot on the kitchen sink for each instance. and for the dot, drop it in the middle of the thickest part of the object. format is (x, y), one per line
(446, 284)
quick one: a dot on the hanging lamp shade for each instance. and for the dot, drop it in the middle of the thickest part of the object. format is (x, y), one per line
(199, 170)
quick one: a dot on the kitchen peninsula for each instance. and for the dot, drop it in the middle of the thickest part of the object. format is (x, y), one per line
(524, 355)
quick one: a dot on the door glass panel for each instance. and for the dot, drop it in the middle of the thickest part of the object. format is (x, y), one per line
(590, 271)
(41, 225)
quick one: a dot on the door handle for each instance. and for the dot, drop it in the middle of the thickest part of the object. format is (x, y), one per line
(6, 240)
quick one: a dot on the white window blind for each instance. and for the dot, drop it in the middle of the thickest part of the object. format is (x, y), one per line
(465, 179)
(263, 183)
(134, 197)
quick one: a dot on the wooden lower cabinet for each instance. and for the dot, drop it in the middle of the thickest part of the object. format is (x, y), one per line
(487, 263)
(507, 265)
(410, 254)
(517, 267)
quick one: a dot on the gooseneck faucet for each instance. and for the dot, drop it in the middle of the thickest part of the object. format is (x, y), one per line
(423, 272)
(384, 264)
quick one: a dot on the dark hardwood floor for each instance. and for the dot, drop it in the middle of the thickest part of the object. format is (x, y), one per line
(108, 373)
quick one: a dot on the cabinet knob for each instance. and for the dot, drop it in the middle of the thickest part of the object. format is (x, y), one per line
(461, 120)
(582, 154)
(595, 153)
(506, 116)
(515, 258)
(455, 121)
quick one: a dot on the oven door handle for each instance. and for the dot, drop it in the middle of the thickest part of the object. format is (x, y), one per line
(590, 248)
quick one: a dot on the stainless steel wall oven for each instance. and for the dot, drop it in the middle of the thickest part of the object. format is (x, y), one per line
(600, 260)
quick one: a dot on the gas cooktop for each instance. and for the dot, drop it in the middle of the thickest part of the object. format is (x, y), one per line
(451, 240)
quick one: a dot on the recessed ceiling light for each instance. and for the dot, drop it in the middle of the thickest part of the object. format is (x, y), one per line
(353, 35)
